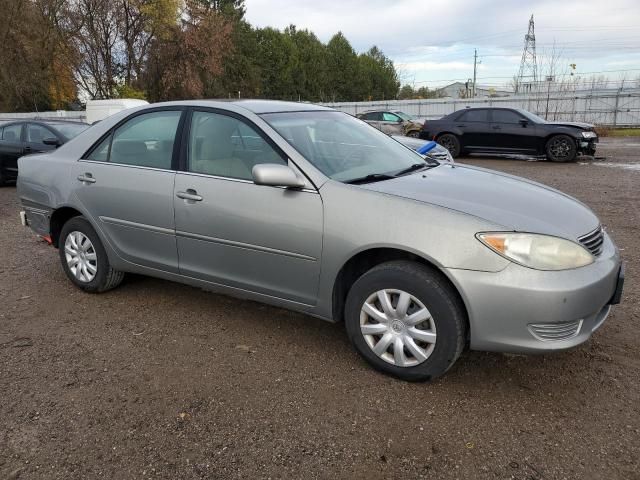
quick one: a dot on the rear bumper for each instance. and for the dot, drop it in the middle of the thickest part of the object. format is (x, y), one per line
(521, 310)
(37, 217)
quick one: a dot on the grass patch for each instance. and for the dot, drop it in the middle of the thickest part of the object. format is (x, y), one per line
(617, 132)
(625, 132)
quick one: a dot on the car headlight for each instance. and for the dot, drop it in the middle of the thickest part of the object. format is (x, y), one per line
(589, 134)
(448, 156)
(541, 252)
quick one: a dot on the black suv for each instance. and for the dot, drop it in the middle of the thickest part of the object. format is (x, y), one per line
(510, 131)
(22, 137)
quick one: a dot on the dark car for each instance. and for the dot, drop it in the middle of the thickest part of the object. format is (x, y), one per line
(22, 137)
(510, 131)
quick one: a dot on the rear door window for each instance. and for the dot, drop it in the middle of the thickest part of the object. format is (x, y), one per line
(12, 133)
(145, 140)
(372, 116)
(474, 116)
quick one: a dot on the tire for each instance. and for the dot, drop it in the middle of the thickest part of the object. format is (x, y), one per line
(100, 275)
(414, 134)
(561, 148)
(426, 288)
(451, 143)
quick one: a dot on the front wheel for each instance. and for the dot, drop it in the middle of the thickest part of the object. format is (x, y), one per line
(451, 143)
(405, 320)
(561, 148)
(413, 134)
(84, 258)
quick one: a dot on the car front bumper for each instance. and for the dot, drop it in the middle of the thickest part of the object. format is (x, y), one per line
(521, 310)
(587, 146)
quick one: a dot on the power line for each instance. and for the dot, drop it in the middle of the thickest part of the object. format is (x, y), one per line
(509, 78)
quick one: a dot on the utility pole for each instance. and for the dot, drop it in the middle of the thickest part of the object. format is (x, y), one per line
(475, 65)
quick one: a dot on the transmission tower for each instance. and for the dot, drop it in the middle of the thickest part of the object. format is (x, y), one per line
(527, 79)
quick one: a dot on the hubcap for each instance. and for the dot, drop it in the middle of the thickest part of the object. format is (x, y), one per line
(560, 148)
(398, 327)
(81, 256)
(447, 142)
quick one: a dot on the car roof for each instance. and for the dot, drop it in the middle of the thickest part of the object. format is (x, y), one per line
(276, 106)
(255, 106)
(486, 108)
(41, 120)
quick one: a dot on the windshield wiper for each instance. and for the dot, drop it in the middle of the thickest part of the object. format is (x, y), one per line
(373, 177)
(412, 168)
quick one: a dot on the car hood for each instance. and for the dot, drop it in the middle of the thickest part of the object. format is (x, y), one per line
(515, 203)
(583, 126)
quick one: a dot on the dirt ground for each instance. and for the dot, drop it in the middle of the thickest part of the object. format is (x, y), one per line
(161, 380)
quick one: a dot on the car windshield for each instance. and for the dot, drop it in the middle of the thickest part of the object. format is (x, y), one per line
(534, 118)
(404, 116)
(343, 147)
(70, 130)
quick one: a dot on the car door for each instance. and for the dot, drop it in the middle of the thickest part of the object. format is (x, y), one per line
(474, 124)
(34, 137)
(373, 118)
(11, 148)
(125, 183)
(392, 124)
(512, 132)
(233, 232)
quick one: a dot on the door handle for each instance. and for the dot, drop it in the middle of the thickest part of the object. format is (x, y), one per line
(190, 194)
(496, 127)
(27, 148)
(86, 178)
(460, 126)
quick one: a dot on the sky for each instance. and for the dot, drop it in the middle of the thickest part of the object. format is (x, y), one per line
(432, 42)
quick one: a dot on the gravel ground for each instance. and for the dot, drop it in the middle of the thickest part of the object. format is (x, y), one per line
(160, 380)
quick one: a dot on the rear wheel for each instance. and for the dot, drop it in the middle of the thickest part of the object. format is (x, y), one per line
(451, 143)
(561, 148)
(405, 320)
(84, 258)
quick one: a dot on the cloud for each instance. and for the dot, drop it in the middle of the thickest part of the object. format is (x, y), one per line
(417, 66)
(440, 36)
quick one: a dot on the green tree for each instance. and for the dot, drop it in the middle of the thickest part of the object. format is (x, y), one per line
(309, 69)
(342, 69)
(406, 93)
(276, 57)
(378, 79)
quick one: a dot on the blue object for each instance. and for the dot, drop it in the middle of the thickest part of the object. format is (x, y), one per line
(426, 147)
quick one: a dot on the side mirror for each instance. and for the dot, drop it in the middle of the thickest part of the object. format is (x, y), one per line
(51, 141)
(276, 175)
(523, 122)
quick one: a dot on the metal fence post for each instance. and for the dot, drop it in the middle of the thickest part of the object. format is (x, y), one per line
(615, 109)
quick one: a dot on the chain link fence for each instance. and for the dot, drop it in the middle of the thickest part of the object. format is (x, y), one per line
(613, 108)
(609, 107)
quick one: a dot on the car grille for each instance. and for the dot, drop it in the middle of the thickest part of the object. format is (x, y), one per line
(593, 241)
(555, 331)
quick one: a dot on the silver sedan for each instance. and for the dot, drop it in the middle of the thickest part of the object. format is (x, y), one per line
(313, 210)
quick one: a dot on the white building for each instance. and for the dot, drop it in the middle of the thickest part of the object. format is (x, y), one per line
(464, 90)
